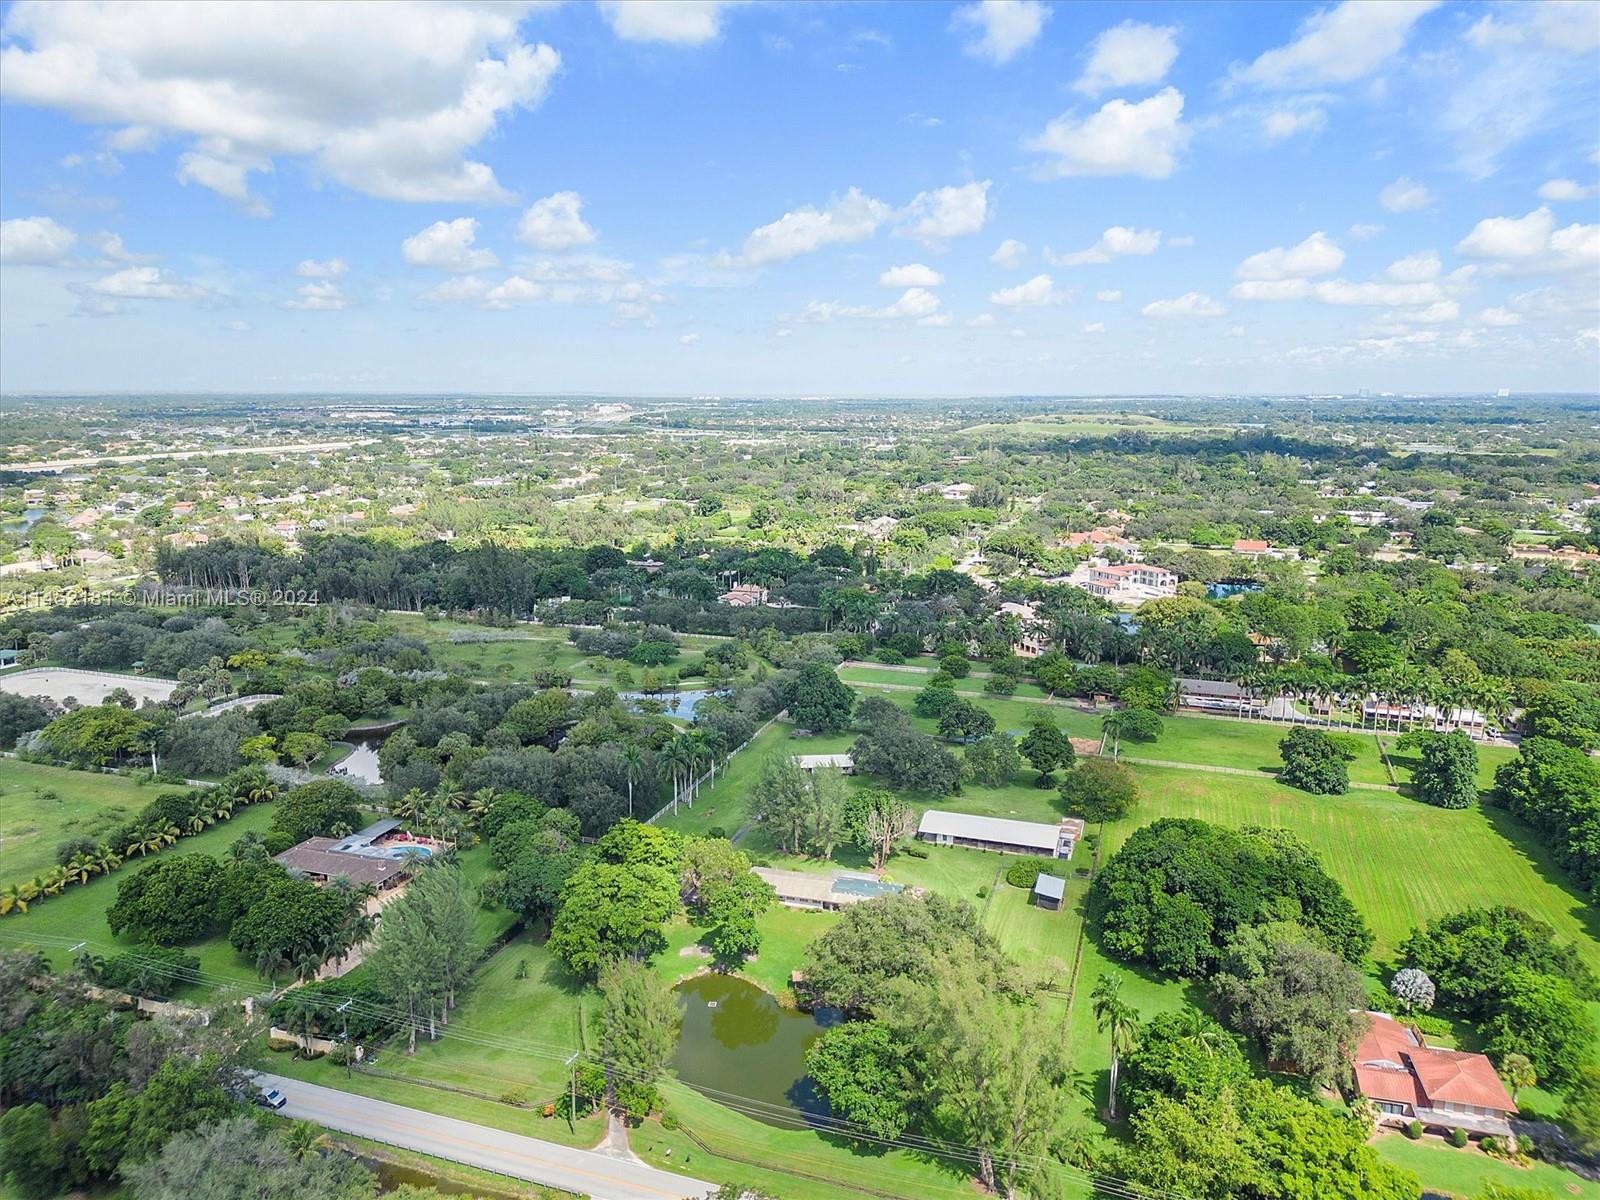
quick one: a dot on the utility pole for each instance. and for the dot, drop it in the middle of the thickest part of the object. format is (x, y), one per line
(348, 1072)
(572, 1075)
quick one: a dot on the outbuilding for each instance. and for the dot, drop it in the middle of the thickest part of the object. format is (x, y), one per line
(1000, 833)
(1048, 891)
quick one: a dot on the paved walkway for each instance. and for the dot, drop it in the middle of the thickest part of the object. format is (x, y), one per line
(585, 1172)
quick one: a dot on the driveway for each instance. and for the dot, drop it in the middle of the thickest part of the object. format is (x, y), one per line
(585, 1172)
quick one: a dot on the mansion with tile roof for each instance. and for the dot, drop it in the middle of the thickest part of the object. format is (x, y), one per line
(1444, 1089)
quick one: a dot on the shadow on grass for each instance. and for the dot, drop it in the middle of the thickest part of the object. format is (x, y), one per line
(1526, 843)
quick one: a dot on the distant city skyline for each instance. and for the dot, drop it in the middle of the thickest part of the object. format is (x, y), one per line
(692, 198)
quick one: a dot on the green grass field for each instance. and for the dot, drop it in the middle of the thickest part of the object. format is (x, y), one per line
(1204, 741)
(1465, 1173)
(41, 807)
(79, 915)
(507, 1032)
(1401, 862)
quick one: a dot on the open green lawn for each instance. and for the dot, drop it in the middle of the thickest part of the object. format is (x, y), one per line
(79, 915)
(785, 934)
(1465, 1173)
(1401, 862)
(41, 807)
(1205, 741)
(507, 1032)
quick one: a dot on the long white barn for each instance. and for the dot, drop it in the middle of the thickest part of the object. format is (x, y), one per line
(1000, 833)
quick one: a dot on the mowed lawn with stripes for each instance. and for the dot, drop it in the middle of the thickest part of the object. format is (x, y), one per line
(1402, 862)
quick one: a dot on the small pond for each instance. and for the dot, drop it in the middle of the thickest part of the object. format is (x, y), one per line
(673, 704)
(25, 522)
(362, 762)
(741, 1047)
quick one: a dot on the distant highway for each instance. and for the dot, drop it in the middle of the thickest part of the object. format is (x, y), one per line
(586, 1172)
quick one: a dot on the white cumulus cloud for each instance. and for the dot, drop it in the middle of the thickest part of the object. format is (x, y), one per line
(910, 275)
(1532, 244)
(1190, 304)
(332, 268)
(1316, 255)
(1109, 296)
(1289, 122)
(1338, 45)
(1035, 293)
(323, 296)
(1120, 139)
(1127, 55)
(1115, 242)
(1565, 189)
(853, 217)
(1003, 28)
(936, 216)
(448, 246)
(1415, 268)
(387, 99)
(1009, 254)
(555, 223)
(676, 22)
(35, 241)
(1405, 195)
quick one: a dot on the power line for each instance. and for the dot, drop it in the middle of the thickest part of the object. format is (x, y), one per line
(764, 1111)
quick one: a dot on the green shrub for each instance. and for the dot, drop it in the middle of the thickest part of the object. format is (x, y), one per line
(915, 849)
(1458, 1137)
(1431, 1026)
(1414, 1130)
(668, 1122)
(1022, 873)
(983, 891)
(716, 831)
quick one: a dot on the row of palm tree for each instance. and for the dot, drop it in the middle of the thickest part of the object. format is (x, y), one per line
(103, 859)
(691, 757)
(1403, 694)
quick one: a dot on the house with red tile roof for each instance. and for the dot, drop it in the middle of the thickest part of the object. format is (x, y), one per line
(1444, 1089)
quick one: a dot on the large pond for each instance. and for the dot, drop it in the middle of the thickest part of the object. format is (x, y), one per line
(674, 704)
(742, 1048)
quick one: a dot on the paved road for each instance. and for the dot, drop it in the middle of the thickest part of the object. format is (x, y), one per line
(585, 1172)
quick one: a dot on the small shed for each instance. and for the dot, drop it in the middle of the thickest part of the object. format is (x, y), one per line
(1048, 891)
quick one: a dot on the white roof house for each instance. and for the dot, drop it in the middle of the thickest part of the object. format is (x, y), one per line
(816, 762)
(1028, 837)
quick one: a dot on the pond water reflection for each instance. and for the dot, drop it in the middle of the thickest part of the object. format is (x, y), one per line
(741, 1047)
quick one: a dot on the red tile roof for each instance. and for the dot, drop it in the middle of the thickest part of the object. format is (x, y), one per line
(1251, 546)
(1393, 1063)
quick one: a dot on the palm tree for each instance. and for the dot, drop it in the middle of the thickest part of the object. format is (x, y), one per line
(1111, 725)
(1114, 1016)
(633, 764)
(105, 859)
(1197, 1029)
(480, 803)
(410, 805)
(307, 963)
(52, 882)
(13, 899)
(301, 1138)
(79, 867)
(167, 836)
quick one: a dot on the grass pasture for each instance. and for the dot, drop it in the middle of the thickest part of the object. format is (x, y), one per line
(1401, 862)
(42, 806)
(79, 915)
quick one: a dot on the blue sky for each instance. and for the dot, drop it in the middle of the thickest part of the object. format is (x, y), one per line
(788, 198)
